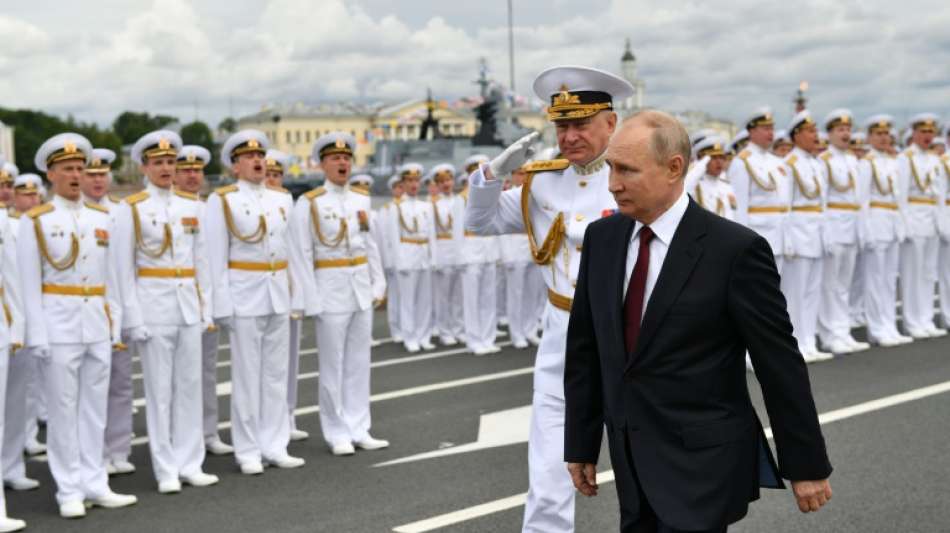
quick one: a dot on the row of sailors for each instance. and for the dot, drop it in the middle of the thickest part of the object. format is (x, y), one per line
(847, 224)
(87, 279)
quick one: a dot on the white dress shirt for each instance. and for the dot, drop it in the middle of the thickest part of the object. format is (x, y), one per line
(663, 228)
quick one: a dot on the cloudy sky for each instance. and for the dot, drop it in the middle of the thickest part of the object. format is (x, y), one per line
(208, 57)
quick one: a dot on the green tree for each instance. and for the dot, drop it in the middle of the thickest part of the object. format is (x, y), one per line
(130, 125)
(199, 133)
(229, 125)
(33, 128)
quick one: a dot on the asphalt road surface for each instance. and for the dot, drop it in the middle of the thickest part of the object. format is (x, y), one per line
(458, 427)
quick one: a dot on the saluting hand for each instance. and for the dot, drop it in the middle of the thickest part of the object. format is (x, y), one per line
(584, 476)
(811, 495)
(513, 157)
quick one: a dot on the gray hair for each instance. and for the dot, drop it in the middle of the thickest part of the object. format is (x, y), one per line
(668, 137)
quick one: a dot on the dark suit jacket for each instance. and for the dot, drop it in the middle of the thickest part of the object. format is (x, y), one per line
(681, 399)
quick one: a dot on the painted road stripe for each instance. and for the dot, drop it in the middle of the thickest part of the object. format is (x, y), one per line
(511, 502)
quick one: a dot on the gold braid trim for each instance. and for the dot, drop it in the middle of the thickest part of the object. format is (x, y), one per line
(439, 226)
(61, 264)
(402, 221)
(801, 186)
(771, 186)
(341, 235)
(877, 181)
(831, 177)
(699, 196)
(253, 238)
(552, 241)
(924, 188)
(140, 241)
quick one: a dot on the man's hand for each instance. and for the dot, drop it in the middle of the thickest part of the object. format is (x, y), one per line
(811, 495)
(137, 334)
(513, 157)
(584, 476)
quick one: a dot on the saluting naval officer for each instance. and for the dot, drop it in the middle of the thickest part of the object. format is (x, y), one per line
(249, 254)
(277, 163)
(73, 318)
(190, 178)
(554, 207)
(341, 283)
(162, 262)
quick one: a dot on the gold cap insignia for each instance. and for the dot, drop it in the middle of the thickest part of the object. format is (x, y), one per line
(96, 162)
(253, 143)
(340, 143)
(164, 144)
(565, 97)
(69, 147)
(191, 158)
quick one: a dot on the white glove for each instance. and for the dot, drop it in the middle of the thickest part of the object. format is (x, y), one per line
(223, 322)
(513, 157)
(137, 334)
(697, 171)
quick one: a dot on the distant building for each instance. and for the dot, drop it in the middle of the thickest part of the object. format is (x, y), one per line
(698, 120)
(628, 69)
(6, 143)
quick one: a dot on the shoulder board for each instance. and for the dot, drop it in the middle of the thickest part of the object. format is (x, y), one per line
(360, 190)
(790, 160)
(313, 193)
(136, 198)
(97, 207)
(15, 214)
(908, 152)
(945, 158)
(278, 189)
(186, 195)
(744, 154)
(3, 205)
(41, 209)
(115, 198)
(544, 166)
(826, 156)
(226, 189)
(868, 156)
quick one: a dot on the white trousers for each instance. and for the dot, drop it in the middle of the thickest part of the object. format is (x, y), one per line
(550, 503)
(392, 305)
(943, 280)
(260, 427)
(415, 305)
(880, 286)
(521, 309)
(35, 399)
(501, 292)
(918, 276)
(171, 365)
(857, 299)
(537, 293)
(801, 284)
(834, 312)
(447, 302)
(4, 363)
(77, 389)
(293, 368)
(14, 423)
(343, 345)
(209, 382)
(478, 302)
(118, 436)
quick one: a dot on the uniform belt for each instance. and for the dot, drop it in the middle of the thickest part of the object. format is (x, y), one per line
(807, 208)
(74, 290)
(768, 209)
(947, 201)
(411, 240)
(155, 272)
(339, 263)
(471, 234)
(444, 236)
(922, 201)
(560, 301)
(843, 206)
(257, 267)
(884, 205)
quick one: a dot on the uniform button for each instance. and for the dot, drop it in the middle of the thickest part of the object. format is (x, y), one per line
(85, 300)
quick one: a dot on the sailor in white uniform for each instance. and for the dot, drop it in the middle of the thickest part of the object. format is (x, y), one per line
(943, 227)
(553, 207)
(707, 188)
(447, 276)
(382, 230)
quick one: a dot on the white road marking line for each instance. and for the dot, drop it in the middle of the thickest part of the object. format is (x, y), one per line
(511, 502)
(401, 393)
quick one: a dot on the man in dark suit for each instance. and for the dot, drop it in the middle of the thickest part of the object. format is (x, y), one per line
(669, 298)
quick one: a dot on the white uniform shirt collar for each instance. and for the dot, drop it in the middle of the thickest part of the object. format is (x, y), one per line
(91, 200)
(835, 151)
(756, 149)
(60, 201)
(592, 167)
(801, 154)
(158, 192)
(249, 185)
(665, 226)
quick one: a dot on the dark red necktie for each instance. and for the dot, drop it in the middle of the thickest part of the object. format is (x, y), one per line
(633, 304)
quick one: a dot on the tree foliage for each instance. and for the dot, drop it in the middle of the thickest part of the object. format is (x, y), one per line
(199, 133)
(32, 128)
(131, 125)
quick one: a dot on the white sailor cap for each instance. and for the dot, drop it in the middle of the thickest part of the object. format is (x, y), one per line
(8, 172)
(408, 170)
(276, 161)
(800, 120)
(926, 122)
(893, 133)
(243, 142)
(698, 136)
(101, 161)
(858, 138)
(905, 138)
(881, 121)
(474, 162)
(837, 117)
(362, 180)
(939, 140)
(192, 156)
(740, 137)
(711, 146)
(781, 136)
(28, 184)
(443, 170)
(575, 92)
(62, 147)
(823, 138)
(761, 116)
(335, 142)
(393, 180)
(156, 144)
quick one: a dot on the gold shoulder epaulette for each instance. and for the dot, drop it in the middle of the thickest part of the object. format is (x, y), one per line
(136, 198)
(360, 190)
(908, 152)
(97, 207)
(115, 198)
(187, 195)
(313, 193)
(15, 214)
(226, 189)
(545, 166)
(278, 189)
(743, 155)
(826, 156)
(790, 160)
(41, 209)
